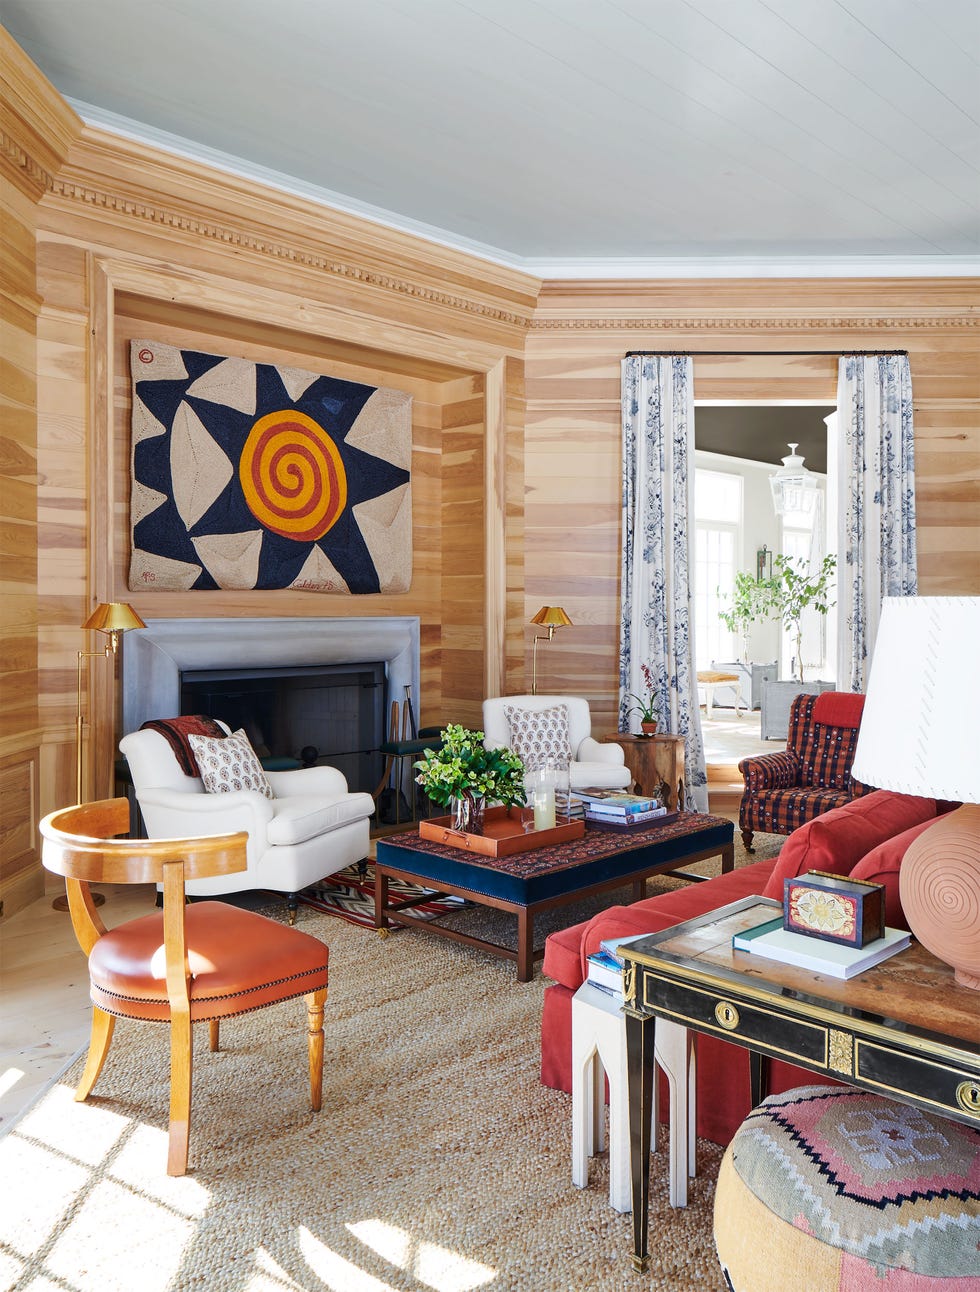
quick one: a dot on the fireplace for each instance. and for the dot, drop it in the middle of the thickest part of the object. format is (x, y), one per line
(299, 716)
(303, 689)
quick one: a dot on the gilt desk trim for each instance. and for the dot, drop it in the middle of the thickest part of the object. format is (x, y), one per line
(903, 1028)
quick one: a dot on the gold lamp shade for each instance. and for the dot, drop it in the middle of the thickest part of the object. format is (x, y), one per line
(113, 617)
(550, 617)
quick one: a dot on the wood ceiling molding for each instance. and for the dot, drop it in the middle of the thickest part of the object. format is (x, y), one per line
(22, 169)
(128, 182)
(759, 326)
(241, 239)
(37, 127)
(766, 308)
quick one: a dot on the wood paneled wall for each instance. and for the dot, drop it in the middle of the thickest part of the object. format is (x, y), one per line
(191, 266)
(516, 473)
(36, 127)
(578, 338)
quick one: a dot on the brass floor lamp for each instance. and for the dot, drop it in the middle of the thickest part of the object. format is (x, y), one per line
(550, 617)
(113, 618)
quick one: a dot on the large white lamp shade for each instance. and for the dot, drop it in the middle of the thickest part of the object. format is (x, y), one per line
(919, 736)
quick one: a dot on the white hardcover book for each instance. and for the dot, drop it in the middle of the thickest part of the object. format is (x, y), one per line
(616, 993)
(771, 941)
(630, 818)
(611, 945)
(617, 801)
(605, 972)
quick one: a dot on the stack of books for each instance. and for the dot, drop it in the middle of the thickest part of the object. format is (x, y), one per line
(773, 942)
(606, 965)
(576, 808)
(615, 809)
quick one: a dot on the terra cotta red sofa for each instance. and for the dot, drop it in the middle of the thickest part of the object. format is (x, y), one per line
(865, 838)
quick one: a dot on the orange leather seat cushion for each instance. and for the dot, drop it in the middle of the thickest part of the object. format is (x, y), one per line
(238, 960)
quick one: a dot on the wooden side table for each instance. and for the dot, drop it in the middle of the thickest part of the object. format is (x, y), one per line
(656, 764)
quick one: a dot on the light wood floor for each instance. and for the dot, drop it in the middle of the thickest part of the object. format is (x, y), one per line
(46, 1011)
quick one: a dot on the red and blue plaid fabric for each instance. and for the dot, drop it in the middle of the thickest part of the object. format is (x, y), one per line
(825, 752)
(784, 790)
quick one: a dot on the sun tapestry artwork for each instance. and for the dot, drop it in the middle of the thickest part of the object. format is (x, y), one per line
(252, 475)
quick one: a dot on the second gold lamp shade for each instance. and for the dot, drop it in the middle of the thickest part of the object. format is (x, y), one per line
(550, 617)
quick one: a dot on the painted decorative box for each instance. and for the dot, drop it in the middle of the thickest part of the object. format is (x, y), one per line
(834, 908)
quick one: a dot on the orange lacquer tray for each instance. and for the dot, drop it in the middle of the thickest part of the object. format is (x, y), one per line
(503, 833)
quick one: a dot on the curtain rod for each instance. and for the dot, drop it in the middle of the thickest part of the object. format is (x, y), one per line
(737, 354)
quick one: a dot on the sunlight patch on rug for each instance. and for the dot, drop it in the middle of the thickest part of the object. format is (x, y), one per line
(435, 1266)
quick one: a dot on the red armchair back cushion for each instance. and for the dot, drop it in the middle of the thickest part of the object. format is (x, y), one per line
(837, 840)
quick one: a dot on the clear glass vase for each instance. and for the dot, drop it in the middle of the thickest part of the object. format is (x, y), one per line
(467, 814)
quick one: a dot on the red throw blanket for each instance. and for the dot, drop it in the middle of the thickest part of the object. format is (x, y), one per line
(176, 730)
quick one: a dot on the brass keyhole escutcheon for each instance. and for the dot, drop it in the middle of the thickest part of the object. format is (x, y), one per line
(727, 1015)
(968, 1096)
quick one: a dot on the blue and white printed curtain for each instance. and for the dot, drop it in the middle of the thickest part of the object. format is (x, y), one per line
(657, 620)
(877, 503)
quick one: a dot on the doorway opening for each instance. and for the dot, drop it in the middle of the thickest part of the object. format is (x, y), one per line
(738, 446)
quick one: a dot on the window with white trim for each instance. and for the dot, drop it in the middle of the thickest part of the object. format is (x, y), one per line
(717, 555)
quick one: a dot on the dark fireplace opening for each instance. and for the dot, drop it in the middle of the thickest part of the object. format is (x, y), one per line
(300, 715)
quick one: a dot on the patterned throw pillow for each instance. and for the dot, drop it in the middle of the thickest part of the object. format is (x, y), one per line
(229, 764)
(539, 736)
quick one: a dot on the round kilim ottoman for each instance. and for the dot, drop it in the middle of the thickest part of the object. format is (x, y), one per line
(826, 1188)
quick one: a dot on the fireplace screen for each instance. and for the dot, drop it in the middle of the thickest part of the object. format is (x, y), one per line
(299, 716)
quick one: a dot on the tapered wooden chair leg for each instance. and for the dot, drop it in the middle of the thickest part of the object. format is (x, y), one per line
(180, 1093)
(214, 1033)
(315, 1002)
(98, 1047)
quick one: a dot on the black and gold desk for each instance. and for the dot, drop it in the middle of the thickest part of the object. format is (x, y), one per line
(904, 1029)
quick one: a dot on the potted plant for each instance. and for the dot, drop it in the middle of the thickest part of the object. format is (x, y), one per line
(794, 590)
(463, 776)
(646, 705)
(751, 602)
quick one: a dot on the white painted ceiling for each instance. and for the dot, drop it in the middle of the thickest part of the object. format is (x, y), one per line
(567, 136)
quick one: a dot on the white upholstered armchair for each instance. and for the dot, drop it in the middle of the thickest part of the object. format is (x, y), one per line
(311, 828)
(591, 763)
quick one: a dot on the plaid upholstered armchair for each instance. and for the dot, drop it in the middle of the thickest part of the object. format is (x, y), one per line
(812, 775)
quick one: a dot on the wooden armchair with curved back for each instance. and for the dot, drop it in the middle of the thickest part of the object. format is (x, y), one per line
(184, 965)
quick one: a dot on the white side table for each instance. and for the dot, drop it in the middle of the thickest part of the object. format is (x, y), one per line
(599, 1042)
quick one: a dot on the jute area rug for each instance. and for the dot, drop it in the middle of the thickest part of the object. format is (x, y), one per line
(438, 1162)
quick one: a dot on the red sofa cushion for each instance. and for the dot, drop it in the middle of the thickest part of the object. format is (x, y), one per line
(837, 840)
(881, 866)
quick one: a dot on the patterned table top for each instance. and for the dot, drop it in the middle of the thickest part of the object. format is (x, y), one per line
(594, 845)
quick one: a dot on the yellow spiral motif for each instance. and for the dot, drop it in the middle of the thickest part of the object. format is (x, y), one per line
(292, 476)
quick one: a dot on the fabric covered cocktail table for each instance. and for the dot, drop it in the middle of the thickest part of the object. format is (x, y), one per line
(530, 882)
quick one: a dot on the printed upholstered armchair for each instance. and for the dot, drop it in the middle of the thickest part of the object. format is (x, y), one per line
(540, 728)
(784, 790)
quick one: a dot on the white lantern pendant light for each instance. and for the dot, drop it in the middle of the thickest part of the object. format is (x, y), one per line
(794, 486)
